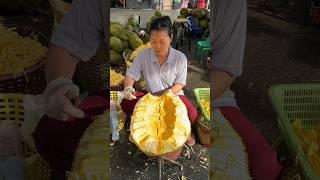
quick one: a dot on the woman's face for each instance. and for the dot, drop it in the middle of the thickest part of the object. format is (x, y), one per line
(160, 41)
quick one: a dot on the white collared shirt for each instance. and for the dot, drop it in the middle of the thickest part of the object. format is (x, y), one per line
(159, 77)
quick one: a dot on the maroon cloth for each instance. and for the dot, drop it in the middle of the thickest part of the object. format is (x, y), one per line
(263, 160)
(57, 141)
(128, 106)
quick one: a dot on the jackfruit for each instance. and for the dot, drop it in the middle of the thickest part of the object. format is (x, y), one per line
(160, 124)
(206, 105)
(128, 51)
(158, 13)
(309, 139)
(200, 14)
(115, 78)
(17, 53)
(128, 27)
(129, 33)
(135, 42)
(116, 44)
(133, 20)
(91, 157)
(115, 58)
(125, 45)
(117, 31)
(184, 12)
(204, 23)
(135, 53)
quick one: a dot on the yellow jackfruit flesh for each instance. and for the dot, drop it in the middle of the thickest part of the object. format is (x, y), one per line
(17, 53)
(160, 124)
(138, 50)
(309, 139)
(206, 104)
(91, 157)
(115, 78)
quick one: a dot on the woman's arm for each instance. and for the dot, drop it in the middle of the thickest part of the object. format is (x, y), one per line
(77, 37)
(228, 33)
(181, 77)
(220, 82)
(60, 64)
(128, 82)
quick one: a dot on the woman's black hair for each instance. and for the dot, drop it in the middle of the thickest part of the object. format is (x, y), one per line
(162, 23)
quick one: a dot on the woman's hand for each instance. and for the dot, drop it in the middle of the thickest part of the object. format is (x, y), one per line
(176, 88)
(59, 70)
(129, 93)
(58, 96)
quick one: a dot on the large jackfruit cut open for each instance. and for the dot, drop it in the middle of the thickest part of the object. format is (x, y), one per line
(160, 124)
(91, 157)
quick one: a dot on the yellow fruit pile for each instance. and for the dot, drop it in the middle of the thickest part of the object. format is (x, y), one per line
(309, 140)
(115, 78)
(160, 124)
(91, 157)
(205, 103)
(138, 50)
(18, 53)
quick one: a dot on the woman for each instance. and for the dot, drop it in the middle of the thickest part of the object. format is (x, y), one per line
(163, 68)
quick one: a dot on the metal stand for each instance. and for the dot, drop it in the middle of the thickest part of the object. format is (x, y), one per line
(161, 165)
(162, 160)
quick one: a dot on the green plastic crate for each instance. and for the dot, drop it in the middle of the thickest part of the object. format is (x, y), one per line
(297, 101)
(202, 94)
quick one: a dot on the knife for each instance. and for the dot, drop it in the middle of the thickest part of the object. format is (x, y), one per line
(159, 93)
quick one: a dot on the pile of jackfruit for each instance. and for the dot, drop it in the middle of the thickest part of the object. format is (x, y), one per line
(135, 53)
(138, 50)
(91, 157)
(17, 53)
(115, 78)
(309, 139)
(160, 124)
(125, 39)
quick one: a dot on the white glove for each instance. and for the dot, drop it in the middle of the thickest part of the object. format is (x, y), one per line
(129, 93)
(34, 109)
(142, 33)
(58, 95)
